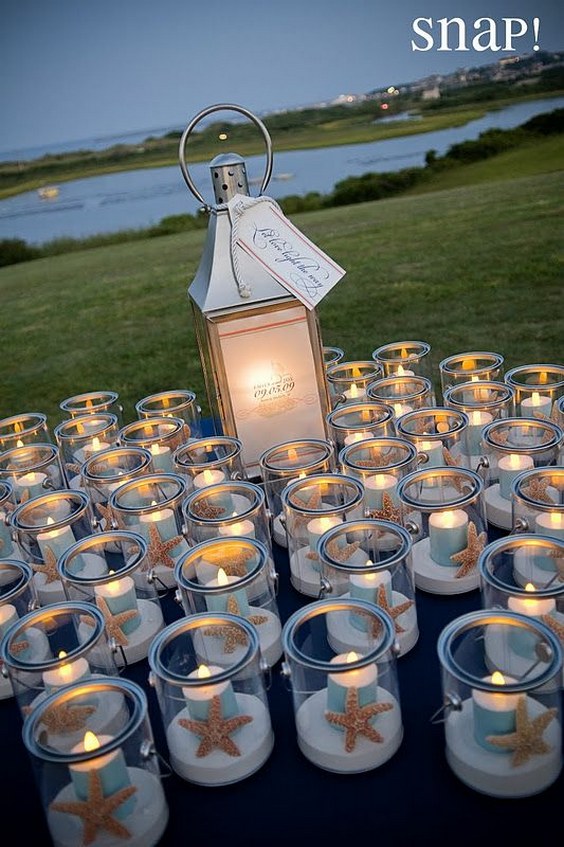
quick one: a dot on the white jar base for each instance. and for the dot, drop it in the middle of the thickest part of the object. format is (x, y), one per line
(492, 773)
(146, 823)
(498, 509)
(210, 649)
(343, 636)
(255, 741)
(439, 579)
(303, 575)
(279, 532)
(324, 744)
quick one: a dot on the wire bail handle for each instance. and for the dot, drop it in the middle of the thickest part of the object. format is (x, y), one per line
(219, 107)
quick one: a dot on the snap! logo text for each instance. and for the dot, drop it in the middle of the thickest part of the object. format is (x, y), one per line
(455, 34)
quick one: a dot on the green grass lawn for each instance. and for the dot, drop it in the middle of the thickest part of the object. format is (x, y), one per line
(467, 268)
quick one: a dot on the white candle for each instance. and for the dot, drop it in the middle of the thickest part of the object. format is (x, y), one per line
(434, 452)
(8, 616)
(32, 483)
(66, 674)
(402, 409)
(208, 477)
(448, 534)
(536, 404)
(374, 487)
(95, 446)
(364, 679)
(354, 392)
(57, 540)
(317, 526)
(509, 467)
(162, 457)
(550, 523)
(199, 697)
(354, 437)
(531, 606)
(245, 528)
(401, 371)
(477, 420)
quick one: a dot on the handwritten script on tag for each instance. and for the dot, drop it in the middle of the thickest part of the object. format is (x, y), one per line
(285, 252)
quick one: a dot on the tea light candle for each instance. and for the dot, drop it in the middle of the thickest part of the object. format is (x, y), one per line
(434, 452)
(550, 523)
(245, 528)
(509, 467)
(32, 483)
(477, 420)
(364, 679)
(199, 698)
(401, 409)
(374, 487)
(219, 602)
(533, 607)
(110, 767)
(208, 477)
(354, 392)
(165, 520)
(95, 446)
(162, 457)
(355, 437)
(494, 714)
(120, 596)
(317, 526)
(536, 404)
(448, 534)
(401, 371)
(67, 673)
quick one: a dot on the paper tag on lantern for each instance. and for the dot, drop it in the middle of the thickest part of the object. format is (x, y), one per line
(262, 230)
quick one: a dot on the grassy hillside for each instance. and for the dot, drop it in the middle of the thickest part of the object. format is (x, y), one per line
(469, 268)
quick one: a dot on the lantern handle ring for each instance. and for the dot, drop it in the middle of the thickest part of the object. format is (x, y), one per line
(220, 107)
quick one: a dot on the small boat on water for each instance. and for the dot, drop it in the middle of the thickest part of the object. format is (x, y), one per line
(48, 192)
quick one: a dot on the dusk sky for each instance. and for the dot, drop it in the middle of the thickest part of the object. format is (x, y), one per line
(73, 69)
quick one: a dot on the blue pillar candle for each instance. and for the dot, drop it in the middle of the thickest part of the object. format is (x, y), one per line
(162, 458)
(376, 485)
(522, 640)
(75, 670)
(477, 421)
(219, 602)
(364, 679)
(110, 767)
(364, 586)
(29, 485)
(448, 534)
(509, 467)
(209, 477)
(315, 529)
(120, 596)
(551, 524)
(494, 714)
(199, 697)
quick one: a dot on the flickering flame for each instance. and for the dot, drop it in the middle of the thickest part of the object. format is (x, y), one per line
(535, 399)
(498, 678)
(113, 586)
(356, 372)
(88, 404)
(50, 520)
(474, 378)
(79, 428)
(352, 657)
(380, 480)
(90, 741)
(514, 460)
(302, 475)
(19, 443)
(155, 449)
(404, 354)
(62, 654)
(203, 672)
(292, 454)
(530, 587)
(468, 364)
(18, 427)
(222, 577)
(543, 377)
(95, 444)
(398, 408)
(369, 576)
(448, 519)
(208, 477)
(65, 670)
(401, 371)
(354, 390)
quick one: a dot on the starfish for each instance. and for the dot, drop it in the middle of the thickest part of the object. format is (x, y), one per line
(74, 469)
(421, 426)
(113, 622)
(527, 740)
(307, 501)
(232, 558)
(204, 509)
(536, 490)
(468, 558)
(356, 719)
(554, 625)
(67, 717)
(158, 552)
(393, 611)
(108, 516)
(233, 635)
(215, 731)
(500, 437)
(342, 554)
(96, 813)
(18, 647)
(49, 566)
(558, 557)
(388, 511)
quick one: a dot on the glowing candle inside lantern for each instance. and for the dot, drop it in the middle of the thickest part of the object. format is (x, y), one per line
(32, 483)
(536, 405)
(477, 420)
(401, 371)
(434, 452)
(354, 392)
(448, 534)
(120, 596)
(494, 713)
(375, 485)
(402, 409)
(550, 523)
(509, 467)
(162, 457)
(65, 674)
(199, 697)
(110, 767)
(364, 586)
(354, 437)
(57, 540)
(317, 526)
(364, 679)
(218, 602)
(208, 477)
(245, 528)
(533, 607)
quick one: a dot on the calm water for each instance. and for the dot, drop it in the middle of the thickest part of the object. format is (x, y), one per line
(141, 198)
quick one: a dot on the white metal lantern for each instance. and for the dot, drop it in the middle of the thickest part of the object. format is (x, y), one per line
(260, 347)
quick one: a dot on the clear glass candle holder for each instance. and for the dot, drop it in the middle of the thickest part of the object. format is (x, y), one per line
(214, 710)
(151, 505)
(206, 461)
(234, 575)
(160, 435)
(537, 502)
(502, 715)
(511, 446)
(27, 428)
(347, 381)
(236, 508)
(105, 471)
(443, 509)
(332, 356)
(99, 786)
(439, 435)
(558, 412)
(180, 403)
(354, 422)
(80, 438)
(475, 366)
(44, 528)
(48, 649)
(380, 463)
(369, 560)
(32, 470)
(402, 393)
(482, 402)
(16, 599)
(537, 390)
(92, 403)
(311, 507)
(286, 462)
(346, 704)
(404, 358)
(7, 506)
(124, 591)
